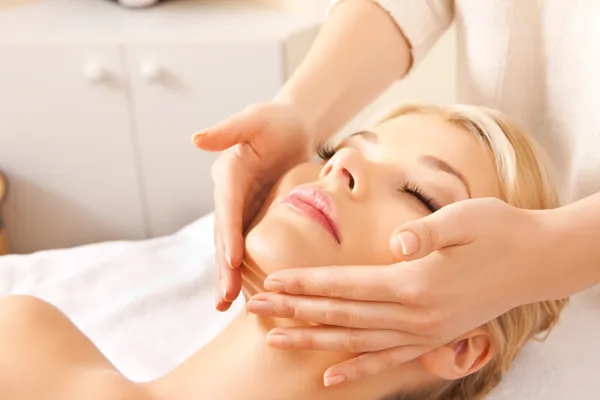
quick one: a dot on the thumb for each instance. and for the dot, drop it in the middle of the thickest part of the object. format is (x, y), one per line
(419, 238)
(237, 129)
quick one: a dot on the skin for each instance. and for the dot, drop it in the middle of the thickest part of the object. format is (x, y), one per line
(379, 164)
(358, 54)
(44, 354)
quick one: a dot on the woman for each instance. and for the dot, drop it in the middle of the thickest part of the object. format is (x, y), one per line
(342, 211)
(536, 61)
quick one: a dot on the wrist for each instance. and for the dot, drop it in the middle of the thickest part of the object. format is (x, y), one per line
(560, 274)
(536, 237)
(578, 234)
(307, 119)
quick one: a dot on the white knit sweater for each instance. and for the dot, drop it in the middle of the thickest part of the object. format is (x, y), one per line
(538, 61)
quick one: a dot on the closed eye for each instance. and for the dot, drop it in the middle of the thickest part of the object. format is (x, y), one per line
(414, 190)
(325, 151)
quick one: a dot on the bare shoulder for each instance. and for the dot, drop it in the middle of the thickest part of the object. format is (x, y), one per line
(21, 312)
(44, 355)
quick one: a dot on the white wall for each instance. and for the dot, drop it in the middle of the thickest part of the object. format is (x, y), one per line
(143, 177)
(311, 8)
(431, 81)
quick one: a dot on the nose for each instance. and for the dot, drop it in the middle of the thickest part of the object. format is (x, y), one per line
(347, 170)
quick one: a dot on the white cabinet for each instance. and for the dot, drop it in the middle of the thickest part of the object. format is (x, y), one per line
(177, 90)
(96, 120)
(66, 147)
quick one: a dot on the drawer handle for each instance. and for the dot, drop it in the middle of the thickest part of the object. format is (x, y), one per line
(95, 72)
(151, 71)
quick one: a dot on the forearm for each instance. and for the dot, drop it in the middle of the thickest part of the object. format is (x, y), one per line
(357, 55)
(577, 247)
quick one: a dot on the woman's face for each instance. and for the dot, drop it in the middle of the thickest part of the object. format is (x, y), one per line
(343, 211)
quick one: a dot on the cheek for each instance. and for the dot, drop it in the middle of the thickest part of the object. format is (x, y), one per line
(271, 241)
(383, 220)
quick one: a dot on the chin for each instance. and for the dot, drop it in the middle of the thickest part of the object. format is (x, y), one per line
(279, 241)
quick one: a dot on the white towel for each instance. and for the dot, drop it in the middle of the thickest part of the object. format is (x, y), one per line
(566, 365)
(148, 305)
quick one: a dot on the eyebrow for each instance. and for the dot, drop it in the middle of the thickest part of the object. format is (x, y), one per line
(441, 165)
(366, 135)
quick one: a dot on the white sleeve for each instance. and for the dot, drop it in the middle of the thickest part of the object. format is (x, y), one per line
(422, 21)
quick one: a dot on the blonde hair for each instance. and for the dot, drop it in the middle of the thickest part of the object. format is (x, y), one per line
(526, 182)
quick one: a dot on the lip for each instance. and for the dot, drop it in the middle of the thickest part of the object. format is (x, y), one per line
(317, 205)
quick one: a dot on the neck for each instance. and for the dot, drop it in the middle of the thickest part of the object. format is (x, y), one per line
(237, 364)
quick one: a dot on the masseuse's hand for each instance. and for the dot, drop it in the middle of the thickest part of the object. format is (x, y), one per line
(493, 257)
(261, 143)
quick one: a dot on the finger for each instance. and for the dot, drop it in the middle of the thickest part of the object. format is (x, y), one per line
(332, 311)
(218, 256)
(338, 339)
(370, 364)
(237, 129)
(232, 279)
(231, 188)
(229, 287)
(366, 283)
(228, 281)
(419, 238)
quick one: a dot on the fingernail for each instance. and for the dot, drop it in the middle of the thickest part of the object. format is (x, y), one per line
(334, 380)
(198, 136)
(274, 285)
(228, 259)
(217, 299)
(408, 241)
(258, 306)
(223, 285)
(279, 339)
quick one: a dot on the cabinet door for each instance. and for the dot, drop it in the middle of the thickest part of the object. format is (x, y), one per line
(179, 89)
(66, 147)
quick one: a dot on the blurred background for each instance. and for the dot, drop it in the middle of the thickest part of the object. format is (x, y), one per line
(99, 100)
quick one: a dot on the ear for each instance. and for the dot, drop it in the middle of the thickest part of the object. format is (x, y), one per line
(461, 357)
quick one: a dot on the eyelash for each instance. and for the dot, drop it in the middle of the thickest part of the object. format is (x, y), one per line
(325, 151)
(414, 190)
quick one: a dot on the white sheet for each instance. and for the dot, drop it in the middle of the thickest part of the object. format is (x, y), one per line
(149, 304)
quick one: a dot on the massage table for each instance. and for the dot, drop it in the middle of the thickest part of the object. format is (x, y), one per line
(148, 305)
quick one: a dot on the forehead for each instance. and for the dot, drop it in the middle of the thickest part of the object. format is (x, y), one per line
(427, 131)
(406, 138)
